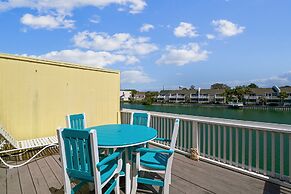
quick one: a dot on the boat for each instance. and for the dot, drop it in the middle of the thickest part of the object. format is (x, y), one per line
(235, 105)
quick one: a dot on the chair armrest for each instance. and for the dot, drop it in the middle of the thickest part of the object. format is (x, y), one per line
(162, 139)
(154, 150)
(109, 158)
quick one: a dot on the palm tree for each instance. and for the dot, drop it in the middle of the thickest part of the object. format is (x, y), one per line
(228, 93)
(282, 96)
(262, 100)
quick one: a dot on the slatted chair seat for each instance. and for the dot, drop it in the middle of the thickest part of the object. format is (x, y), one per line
(154, 160)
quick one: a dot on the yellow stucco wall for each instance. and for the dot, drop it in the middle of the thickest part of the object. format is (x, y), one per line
(35, 95)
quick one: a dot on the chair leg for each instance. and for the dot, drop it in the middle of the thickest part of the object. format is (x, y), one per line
(167, 181)
(117, 188)
(166, 188)
(127, 172)
(170, 175)
(134, 181)
(67, 184)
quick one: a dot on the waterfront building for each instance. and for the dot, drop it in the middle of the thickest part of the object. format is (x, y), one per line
(268, 96)
(174, 96)
(162, 98)
(139, 96)
(125, 95)
(204, 96)
(208, 96)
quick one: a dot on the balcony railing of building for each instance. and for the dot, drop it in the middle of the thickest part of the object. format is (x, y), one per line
(177, 96)
(219, 97)
(200, 96)
(258, 149)
(161, 97)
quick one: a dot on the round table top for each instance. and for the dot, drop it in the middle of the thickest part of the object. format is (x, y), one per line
(123, 135)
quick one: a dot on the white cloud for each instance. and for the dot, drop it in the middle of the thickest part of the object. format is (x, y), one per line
(210, 36)
(120, 42)
(227, 28)
(279, 80)
(91, 58)
(95, 19)
(135, 77)
(46, 21)
(67, 6)
(185, 30)
(189, 53)
(146, 27)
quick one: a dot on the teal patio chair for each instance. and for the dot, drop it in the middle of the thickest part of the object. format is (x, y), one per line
(140, 119)
(155, 160)
(76, 121)
(80, 161)
(144, 119)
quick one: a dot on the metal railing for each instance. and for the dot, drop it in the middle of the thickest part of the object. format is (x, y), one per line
(255, 148)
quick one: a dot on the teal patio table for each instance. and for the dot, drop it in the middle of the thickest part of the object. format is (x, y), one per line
(124, 136)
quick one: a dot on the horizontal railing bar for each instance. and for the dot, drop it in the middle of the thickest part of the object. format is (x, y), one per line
(219, 121)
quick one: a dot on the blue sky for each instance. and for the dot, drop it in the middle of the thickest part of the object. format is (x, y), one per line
(160, 43)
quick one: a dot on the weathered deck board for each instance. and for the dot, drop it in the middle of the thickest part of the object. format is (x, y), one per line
(12, 181)
(57, 159)
(3, 177)
(26, 182)
(44, 175)
(38, 179)
(49, 176)
(56, 169)
(13, 184)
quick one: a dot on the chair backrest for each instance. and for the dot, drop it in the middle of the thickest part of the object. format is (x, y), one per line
(76, 121)
(140, 119)
(8, 138)
(79, 150)
(175, 134)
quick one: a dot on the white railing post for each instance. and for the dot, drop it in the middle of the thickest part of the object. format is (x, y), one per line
(257, 151)
(281, 156)
(224, 144)
(289, 158)
(213, 142)
(273, 173)
(219, 142)
(195, 137)
(243, 143)
(184, 140)
(208, 141)
(204, 140)
(230, 145)
(236, 146)
(250, 149)
(265, 153)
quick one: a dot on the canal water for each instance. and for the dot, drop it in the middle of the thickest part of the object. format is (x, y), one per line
(269, 116)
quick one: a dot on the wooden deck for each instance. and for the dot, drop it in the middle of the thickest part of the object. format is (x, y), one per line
(44, 175)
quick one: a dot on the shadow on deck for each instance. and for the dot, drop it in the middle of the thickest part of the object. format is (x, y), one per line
(44, 175)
